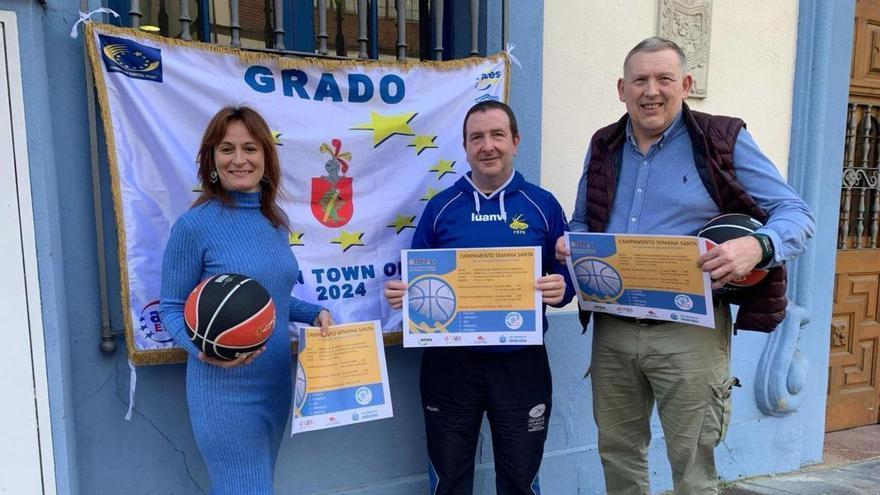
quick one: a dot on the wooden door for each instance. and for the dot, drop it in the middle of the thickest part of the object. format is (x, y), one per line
(853, 397)
(854, 365)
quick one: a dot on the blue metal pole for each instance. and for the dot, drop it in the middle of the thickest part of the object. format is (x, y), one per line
(374, 29)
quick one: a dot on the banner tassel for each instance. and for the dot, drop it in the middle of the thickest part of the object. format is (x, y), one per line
(132, 387)
(509, 49)
(83, 17)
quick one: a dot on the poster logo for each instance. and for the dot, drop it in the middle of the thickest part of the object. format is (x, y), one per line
(332, 201)
(131, 58)
(363, 396)
(513, 320)
(684, 302)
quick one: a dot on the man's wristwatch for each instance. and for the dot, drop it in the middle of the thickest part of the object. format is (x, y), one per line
(767, 251)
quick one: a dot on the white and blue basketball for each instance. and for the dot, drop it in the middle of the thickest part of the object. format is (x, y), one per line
(431, 300)
(598, 280)
(299, 389)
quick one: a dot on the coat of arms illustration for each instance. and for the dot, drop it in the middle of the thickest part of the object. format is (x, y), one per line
(332, 193)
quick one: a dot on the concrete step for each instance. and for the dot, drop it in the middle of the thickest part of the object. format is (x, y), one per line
(860, 478)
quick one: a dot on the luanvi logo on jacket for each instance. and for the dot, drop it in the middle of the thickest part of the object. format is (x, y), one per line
(495, 217)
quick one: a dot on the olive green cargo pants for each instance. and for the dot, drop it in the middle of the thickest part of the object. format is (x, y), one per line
(686, 370)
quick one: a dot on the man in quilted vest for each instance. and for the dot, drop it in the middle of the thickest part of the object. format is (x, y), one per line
(665, 169)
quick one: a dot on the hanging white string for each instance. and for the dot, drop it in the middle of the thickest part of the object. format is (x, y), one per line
(509, 48)
(83, 17)
(132, 386)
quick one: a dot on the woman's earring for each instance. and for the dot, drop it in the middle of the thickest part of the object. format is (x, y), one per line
(213, 176)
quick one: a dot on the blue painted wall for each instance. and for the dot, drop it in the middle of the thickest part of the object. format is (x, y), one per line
(526, 28)
(97, 451)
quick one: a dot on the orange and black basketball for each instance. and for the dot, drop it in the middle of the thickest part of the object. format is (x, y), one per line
(730, 226)
(229, 315)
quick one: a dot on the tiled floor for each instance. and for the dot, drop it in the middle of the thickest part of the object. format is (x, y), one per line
(851, 467)
(852, 445)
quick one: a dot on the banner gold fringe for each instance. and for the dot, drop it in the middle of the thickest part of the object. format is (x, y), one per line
(282, 62)
(137, 357)
(176, 355)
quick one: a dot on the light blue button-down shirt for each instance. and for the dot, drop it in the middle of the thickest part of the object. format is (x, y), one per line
(660, 192)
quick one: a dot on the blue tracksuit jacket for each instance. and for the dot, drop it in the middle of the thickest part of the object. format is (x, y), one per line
(519, 213)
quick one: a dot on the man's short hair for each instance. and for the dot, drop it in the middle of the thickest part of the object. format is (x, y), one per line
(485, 106)
(656, 44)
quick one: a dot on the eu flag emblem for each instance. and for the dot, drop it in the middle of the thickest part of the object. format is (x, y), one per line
(131, 58)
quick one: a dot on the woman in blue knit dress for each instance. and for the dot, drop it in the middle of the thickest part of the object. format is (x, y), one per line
(239, 408)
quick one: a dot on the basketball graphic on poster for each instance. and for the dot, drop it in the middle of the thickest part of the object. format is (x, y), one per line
(431, 301)
(299, 390)
(597, 280)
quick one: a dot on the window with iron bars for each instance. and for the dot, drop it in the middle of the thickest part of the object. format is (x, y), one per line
(211, 21)
(342, 27)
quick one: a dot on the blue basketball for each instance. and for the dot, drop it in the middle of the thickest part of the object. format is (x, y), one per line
(598, 280)
(299, 390)
(431, 300)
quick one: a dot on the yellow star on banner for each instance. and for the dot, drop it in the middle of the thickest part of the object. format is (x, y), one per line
(422, 142)
(348, 239)
(295, 239)
(443, 167)
(402, 222)
(384, 127)
(276, 138)
(430, 193)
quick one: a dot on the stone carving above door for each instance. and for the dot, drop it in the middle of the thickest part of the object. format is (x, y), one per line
(689, 23)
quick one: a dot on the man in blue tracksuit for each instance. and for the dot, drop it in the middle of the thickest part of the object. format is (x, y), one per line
(492, 206)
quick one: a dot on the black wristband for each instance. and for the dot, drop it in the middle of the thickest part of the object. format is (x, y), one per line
(767, 251)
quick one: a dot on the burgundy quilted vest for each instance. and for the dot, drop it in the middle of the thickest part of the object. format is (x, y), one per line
(713, 137)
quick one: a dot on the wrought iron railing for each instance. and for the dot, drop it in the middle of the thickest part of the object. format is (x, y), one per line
(859, 220)
(426, 15)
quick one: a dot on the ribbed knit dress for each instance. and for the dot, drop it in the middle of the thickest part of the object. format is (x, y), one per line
(238, 415)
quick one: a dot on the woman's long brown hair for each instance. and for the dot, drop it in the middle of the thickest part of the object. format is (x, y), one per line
(259, 130)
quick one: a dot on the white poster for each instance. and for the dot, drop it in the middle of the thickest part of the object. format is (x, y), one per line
(341, 378)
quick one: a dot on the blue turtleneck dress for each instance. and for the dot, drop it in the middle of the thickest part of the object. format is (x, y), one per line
(238, 415)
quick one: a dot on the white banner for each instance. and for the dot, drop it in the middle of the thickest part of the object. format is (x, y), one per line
(363, 146)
